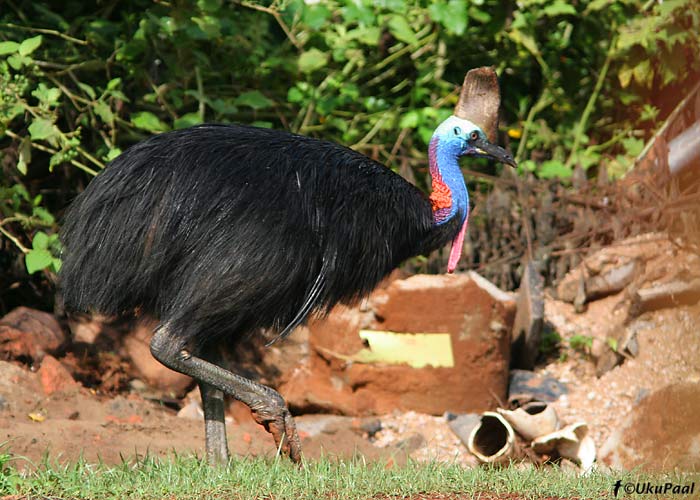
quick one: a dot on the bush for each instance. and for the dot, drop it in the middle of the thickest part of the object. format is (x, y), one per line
(580, 83)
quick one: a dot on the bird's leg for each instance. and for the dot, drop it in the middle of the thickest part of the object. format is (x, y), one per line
(268, 407)
(214, 417)
(214, 423)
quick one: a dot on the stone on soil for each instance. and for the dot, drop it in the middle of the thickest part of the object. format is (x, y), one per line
(137, 345)
(28, 333)
(55, 377)
(477, 316)
(661, 433)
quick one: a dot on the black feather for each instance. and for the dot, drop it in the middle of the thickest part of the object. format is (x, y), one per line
(221, 230)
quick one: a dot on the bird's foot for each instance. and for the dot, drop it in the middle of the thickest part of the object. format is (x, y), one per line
(283, 429)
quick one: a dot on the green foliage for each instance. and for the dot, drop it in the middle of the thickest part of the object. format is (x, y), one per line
(78, 87)
(45, 253)
(581, 343)
(550, 342)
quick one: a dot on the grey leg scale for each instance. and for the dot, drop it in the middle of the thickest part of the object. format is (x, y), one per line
(214, 424)
(268, 407)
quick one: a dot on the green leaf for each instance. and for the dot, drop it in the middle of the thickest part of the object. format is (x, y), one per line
(56, 264)
(29, 45)
(399, 27)
(47, 96)
(526, 41)
(211, 26)
(367, 35)
(456, 21)
(554, 168)
(311, 60)
(262, 124)
(452, 15)
(254, 99)
(25, 155)
(644, 74)
(587, 158)
(146, 120)
(113, 153)
(16, 61)
(114, 83)
(294, 95)
(40, 241)
(625, 75)
(41, 129)
(633, 146)
(103, 110)
(409, 120)
(598, 5)
(8, 48)
(22, 166)
(315, 16)
(479, 15)
(357, 11)
(187, 120)
(44, 215)
(559, 8)
(667, 7)
(38, 259)
(209, 6)
(87, 89)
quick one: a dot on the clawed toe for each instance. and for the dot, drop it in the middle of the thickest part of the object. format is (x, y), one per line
(284, 432)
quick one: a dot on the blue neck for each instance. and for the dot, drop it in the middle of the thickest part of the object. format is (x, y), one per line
(444, 169)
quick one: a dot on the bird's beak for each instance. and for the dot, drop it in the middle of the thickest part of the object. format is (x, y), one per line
(487, 150)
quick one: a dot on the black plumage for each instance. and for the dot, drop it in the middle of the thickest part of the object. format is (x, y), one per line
(223, 229)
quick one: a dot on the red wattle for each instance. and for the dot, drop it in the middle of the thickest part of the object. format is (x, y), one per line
(456, 251)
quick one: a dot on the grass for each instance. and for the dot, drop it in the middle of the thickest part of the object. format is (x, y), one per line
(188, 477)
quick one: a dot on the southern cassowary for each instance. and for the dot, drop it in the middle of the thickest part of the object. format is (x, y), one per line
(220, 230)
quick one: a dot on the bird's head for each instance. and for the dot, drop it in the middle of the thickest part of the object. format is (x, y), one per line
(460, 137)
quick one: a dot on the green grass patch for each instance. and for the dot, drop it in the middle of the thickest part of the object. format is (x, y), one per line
(189, 477)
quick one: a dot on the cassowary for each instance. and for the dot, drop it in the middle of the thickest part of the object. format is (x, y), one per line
(220, 230)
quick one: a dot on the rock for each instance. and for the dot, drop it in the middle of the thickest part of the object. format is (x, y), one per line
(85, 330)
(470, 315)
(28, 333)
(138, 385)
(151, 371)
(608, 360)
(626, 346)
(527, 327)
(370, 425)
(604, 275)
(463, 425)
(526, 385)
(664, 295)
(315, 425)
(55, 377)
(192, 410)
(411, 443)
(661, 433)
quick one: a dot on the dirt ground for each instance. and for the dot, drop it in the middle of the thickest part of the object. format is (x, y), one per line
(116, 419)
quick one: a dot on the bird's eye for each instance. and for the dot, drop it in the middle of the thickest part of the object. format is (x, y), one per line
(474, 135)
(457, 131)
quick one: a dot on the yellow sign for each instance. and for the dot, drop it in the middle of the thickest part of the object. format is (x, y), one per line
(414, 349)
